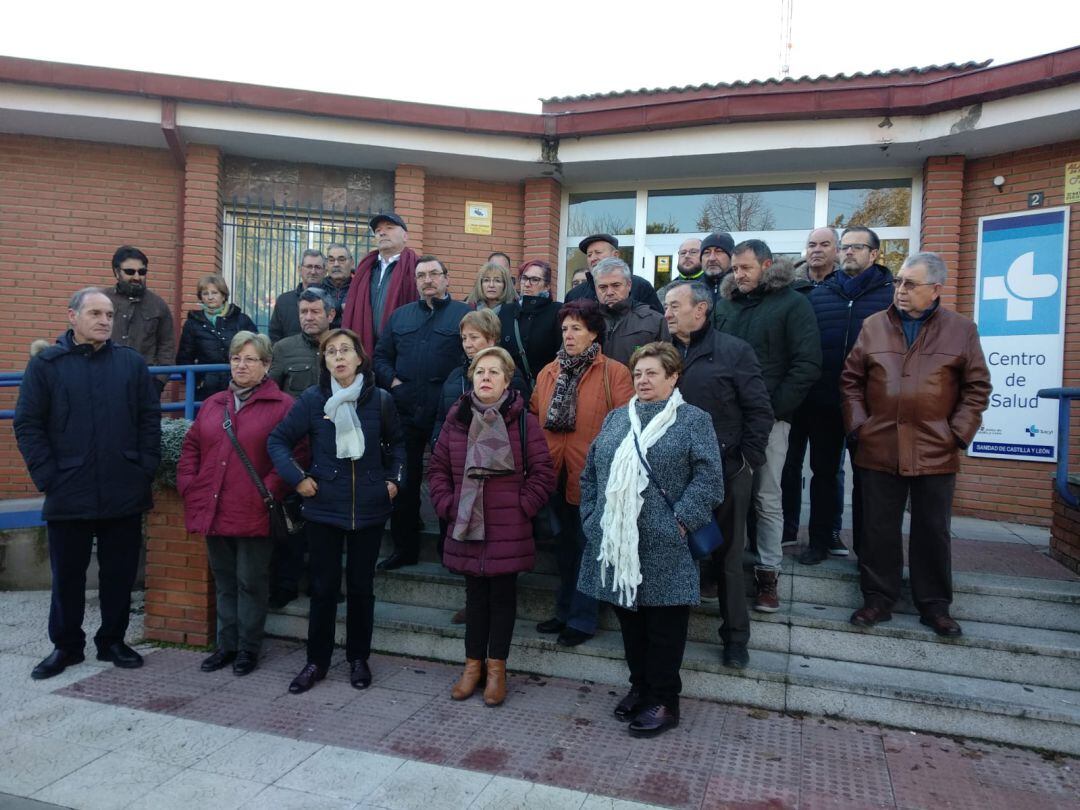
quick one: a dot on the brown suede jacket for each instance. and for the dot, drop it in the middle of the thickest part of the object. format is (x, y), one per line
(912, 409)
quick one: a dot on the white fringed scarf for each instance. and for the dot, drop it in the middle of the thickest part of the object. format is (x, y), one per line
(341, 410)
(626, 482)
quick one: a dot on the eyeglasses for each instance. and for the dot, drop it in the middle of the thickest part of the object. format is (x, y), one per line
(432, 275)
(344, 351)
(856, 246)
(689, 252)
(244, 361)
(312, 267)
(141, 271)
(909, 285)
(338, 259)
(532, 279)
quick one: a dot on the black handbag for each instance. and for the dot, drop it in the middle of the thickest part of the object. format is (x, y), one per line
(546, 523)
(281, 524)
(704, 541)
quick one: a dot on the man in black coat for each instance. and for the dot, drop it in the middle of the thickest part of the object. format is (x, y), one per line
(841, 303)
(602, 246)
(285, 319)
(722, 376)
(415, 354)
(88, 425)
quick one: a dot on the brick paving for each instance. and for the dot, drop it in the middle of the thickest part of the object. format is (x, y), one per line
(561, 733)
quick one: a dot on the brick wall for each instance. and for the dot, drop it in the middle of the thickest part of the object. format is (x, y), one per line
(543, 201)
(1016, 490)
(943, 192)
(444, 226)
(65, 206)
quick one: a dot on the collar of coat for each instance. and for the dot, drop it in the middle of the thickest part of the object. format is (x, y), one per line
(777, 276)
(510, 409)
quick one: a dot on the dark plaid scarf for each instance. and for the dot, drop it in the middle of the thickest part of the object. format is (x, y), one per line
(487, 455)
(562, 412)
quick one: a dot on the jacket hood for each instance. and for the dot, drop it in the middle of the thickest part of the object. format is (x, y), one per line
(777, 276)
(510, 410)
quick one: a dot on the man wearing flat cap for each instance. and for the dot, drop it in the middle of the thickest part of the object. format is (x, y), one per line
(384, 281)
(601, 246)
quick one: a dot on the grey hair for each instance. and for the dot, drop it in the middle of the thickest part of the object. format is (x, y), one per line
(610, 265)
(699, 293)
(260, 342)
(79, 298)
(313, 294)
(936, 273)
(835, 233)
(339, 246)
(312, 252)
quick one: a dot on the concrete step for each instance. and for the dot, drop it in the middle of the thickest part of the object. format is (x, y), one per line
(985, 708)
(1015, 654)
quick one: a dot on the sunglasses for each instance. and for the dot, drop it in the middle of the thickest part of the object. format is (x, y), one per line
(141, 271)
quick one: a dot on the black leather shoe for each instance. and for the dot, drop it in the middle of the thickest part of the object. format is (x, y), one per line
(395, 561)
(629, 706)
(868, 616)
(57, 661)
(279, 599)
(310, 675)
(735, 655)
(813, 556)
(360, 674)
(943, 625)
(550, 626)
(121, 655)
(219, 659)
(653, 720)
(245, 663)
(570, 637)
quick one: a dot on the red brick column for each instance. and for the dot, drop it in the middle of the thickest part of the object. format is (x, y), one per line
(543, 201)
(1065, 532)
(201, 249)
(409, 190)
(943, 193)
(179, 587)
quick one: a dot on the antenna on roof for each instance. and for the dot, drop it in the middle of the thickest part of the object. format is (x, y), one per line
(785, 38)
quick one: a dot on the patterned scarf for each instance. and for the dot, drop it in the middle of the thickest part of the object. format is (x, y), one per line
(562, 412)
(487, 455)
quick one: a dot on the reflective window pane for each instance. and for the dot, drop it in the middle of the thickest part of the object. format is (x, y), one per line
(736, 209)
(873, 203)
(601, 213)
(893, 253)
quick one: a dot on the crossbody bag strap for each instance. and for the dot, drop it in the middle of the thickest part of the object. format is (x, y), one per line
(521, 351)
(649, 472)
(227, 424)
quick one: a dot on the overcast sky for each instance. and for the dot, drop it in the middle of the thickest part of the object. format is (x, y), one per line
(508, 54)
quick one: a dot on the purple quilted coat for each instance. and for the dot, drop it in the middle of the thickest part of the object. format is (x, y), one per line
(510, 501)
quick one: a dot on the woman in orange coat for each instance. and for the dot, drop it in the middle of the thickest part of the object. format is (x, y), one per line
(573, 394)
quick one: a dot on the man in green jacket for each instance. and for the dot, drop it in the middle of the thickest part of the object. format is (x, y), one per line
(758, 304)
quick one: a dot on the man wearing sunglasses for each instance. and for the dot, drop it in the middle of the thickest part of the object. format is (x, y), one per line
(142, 319)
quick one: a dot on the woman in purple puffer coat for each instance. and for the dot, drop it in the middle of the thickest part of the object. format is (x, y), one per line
(485, 490)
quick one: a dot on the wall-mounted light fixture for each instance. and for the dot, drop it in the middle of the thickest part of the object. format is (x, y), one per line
(999, 183)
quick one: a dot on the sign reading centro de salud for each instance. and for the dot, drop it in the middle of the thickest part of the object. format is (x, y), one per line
(1020, 309)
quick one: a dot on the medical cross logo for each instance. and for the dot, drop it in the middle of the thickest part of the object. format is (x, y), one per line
(1031, 431)
(1019, 288)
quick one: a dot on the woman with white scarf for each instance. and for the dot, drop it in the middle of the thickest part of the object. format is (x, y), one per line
(357, 467)
(637, 557)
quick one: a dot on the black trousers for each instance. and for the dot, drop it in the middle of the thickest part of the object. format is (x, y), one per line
(802, 435)
(405, 520)
(70, 542)
(288, 561)
(727, 563)
(361, 547)
(881, 560)
(654, 640)
(490, 611)
(575, 609)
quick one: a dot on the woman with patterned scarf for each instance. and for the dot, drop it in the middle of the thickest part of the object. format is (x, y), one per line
(490, 473)
(573, 394)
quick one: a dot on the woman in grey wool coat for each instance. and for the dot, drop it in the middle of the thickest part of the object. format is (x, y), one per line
(637, 556)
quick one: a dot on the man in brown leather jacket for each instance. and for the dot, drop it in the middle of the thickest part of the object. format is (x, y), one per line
(914, 388)
(142, 319)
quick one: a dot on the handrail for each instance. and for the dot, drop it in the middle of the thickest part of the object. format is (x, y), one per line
(186, 374)
(1064, 396)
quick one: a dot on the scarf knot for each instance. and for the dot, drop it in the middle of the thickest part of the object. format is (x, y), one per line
(561, 415)
(340, 409)
(488, 454)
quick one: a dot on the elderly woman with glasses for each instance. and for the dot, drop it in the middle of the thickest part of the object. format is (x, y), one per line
(357, 467)
(530, 331)
(222, 502)
(493, 288)
(637, 557)
(208, 331)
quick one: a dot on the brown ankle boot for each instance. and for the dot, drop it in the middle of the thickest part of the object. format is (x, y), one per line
(469, 680)
(495, 691)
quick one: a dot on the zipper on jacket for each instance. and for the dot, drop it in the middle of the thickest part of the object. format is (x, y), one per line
(352, 512)
(847, 326)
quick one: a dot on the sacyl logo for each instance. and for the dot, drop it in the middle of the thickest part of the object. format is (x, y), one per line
(1019, 287)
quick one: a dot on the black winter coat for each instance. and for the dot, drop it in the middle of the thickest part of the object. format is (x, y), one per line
(88, 424)
(539, 326)
(722, 376)
(285, 319)
(420, 346)
(458, 385)
(208, 343)
(351, 494)
(840, 315)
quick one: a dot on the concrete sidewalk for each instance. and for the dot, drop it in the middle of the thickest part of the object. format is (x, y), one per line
(168, 735)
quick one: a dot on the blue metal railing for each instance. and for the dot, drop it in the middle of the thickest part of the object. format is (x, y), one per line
(1064, 396)
(185, 374)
